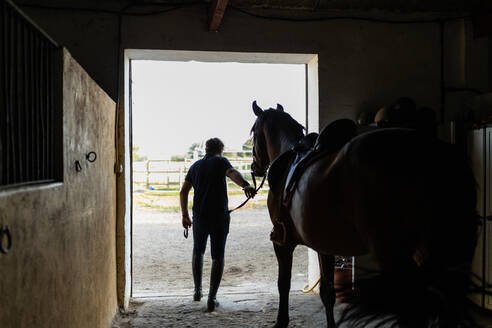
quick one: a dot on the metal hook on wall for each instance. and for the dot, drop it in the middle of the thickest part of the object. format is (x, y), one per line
(78, 167)
(5, 231)
(91, 156)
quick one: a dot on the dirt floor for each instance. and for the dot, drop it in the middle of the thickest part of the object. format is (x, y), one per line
(163, 284)
(162, 256)
(237, 310)
(162, 278)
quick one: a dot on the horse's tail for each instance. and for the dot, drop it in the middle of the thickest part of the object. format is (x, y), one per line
(431, 291)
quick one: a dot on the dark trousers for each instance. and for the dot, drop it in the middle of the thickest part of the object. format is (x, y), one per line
(216, 229)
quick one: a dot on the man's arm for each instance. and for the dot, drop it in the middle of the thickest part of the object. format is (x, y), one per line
(183, 199)
(238, 179)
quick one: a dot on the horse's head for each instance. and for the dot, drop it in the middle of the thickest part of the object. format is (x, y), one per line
(261, 160)
(270, 124)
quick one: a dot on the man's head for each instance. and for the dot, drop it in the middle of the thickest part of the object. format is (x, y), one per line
(214, 146)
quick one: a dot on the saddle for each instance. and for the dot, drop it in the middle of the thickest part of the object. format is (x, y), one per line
(286, 170)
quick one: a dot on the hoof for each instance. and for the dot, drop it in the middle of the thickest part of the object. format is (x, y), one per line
(212, 304)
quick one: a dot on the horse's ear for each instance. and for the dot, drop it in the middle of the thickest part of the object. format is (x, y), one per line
(280, 107)
(256, 109)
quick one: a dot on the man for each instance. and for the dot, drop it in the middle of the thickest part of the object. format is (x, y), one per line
(210, 213)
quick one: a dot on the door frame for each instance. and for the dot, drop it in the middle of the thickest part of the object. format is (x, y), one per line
(124, 145)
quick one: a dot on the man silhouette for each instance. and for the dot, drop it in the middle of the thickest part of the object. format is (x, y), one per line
(211, 217)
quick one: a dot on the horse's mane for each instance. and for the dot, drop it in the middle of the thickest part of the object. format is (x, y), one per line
(276, 121)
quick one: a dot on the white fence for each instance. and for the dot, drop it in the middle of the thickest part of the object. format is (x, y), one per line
(171, 174)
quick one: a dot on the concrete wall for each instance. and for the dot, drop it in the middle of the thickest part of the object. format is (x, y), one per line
(362, 65)
(61, 271)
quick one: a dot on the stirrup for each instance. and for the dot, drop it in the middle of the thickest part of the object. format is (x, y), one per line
(278, 235)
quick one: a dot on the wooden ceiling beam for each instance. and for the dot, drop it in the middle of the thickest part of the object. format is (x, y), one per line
(217, 9)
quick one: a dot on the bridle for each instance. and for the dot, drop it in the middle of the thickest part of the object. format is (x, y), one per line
(254, 173)
(258, 168)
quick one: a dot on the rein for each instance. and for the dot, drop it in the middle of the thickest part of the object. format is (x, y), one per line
(185, 232)
(256, 190)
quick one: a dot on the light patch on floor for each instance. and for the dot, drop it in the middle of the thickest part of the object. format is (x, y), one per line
(237, 309)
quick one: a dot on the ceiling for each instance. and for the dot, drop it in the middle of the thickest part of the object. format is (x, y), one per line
(401, 6)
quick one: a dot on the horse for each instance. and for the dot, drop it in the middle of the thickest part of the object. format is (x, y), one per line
(407, 200)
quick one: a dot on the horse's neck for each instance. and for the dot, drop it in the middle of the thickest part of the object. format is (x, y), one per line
(280, 146)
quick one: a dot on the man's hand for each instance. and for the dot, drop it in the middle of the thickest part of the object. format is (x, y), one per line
(249, 191)
(186, 221)
(183, 201)
(238, 179)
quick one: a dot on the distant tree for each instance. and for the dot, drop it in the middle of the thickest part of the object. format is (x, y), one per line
(195, 147)
(136, 157)
(248, 145)
(177, 158)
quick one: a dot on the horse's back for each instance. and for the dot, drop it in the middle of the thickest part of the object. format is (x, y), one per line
(389, 190)
(417, 199)
(415, 192)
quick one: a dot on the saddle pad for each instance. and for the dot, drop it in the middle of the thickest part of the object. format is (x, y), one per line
(307, 142)
(332, 138)
(278, 170)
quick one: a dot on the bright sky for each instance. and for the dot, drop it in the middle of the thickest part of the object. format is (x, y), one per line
(178, 103)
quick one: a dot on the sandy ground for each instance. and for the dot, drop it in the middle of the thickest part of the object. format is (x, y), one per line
(239, 310)
(163, 284)
(162, 256)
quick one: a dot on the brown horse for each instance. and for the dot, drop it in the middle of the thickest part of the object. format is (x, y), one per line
(405, 199)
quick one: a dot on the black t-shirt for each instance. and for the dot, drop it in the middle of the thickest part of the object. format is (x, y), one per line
(208, 178)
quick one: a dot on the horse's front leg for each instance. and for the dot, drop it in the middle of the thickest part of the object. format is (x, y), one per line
(284, 258)
(327, 286)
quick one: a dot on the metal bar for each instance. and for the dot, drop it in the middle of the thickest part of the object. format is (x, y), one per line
(13, 173)
(30, 111)
(20, 100)
(53, 109)
(28, 183)
(42, 122)
(49, 152)
(442, 77)
(8, 145)
(58, 114)
(45, 111)
(29, 92)
(3, 150)
(32, 92)
(27, 107)
(42, 109)
(486, 147)
(37, 130)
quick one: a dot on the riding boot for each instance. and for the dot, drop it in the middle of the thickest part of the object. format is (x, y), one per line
(215, 277)
(197, 268)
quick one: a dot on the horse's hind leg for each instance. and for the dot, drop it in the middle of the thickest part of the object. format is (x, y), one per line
(284, 259)
(327, 287)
